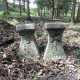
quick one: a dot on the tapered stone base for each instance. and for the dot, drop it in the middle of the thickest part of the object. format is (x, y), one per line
(28, 48)
(54, 49)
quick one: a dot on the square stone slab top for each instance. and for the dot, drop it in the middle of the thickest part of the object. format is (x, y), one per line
(21, 27)
(55, 25)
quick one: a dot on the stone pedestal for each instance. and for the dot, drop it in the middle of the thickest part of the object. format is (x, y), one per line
(54, 49)
(28, 47)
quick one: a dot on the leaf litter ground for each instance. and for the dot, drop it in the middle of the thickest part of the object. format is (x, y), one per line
(12, 68)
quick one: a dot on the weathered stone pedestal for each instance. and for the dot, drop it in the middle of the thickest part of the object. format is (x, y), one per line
(28, 47)
(54, 49)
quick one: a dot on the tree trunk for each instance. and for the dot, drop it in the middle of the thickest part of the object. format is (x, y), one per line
(53, 10)
(6, 3)
(24, 6)
(20, 7)
(14, 1)
(38, 10)
(6, 8)
(58, 9)
(78, 12)
(28, 10)
(41, 12)
(63, 9)
(66, 10)
(44, 11)
(73, 11)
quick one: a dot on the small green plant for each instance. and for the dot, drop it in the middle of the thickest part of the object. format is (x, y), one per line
(5, 13)
(77, 53)
(35, 77)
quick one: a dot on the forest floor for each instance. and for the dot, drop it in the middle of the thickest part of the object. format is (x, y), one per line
(12, 68)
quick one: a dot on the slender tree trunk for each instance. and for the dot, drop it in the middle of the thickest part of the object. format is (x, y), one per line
(48, 11)
(6, 8)
(63, 10)
(58, 9)
(41, 12)
(14, 1)
(78, 12)
(73, 11)
(20, 7)
(28, 10)
(6, 3)
(66, 11)
(24, 6)
(38, 11)
(44, 11)
(53, 10)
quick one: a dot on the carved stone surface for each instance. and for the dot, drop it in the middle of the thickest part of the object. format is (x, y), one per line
(28, 47)
(54, 49)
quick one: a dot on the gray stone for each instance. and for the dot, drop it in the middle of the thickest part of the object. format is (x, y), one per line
(56, 25)
(54, 49)
(21, 27)
(28, 47)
